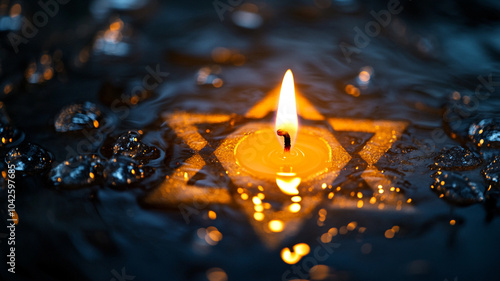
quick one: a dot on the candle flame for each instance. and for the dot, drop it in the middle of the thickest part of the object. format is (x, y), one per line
(286, 116)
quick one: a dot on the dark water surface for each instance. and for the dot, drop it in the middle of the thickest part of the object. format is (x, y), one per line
(98, 70)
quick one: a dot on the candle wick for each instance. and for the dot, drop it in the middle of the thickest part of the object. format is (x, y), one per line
(286, 137)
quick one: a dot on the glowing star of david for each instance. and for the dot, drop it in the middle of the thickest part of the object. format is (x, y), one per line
(273, 224)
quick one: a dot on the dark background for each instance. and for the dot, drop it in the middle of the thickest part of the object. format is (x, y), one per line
(428, 51)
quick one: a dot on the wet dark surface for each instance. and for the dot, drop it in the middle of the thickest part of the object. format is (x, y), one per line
(89, 97)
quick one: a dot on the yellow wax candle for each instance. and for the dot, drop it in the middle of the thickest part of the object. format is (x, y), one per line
(292, 158)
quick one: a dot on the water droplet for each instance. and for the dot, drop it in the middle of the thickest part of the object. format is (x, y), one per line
(10, 136)
(457, 158)
(247, 16)
(130, 145)
(118, 40)
(44, 68)
(210, 76)
(485, 133)
(11, 16)
(456, 189)
(78, 117)
(9, 86)
(78, 171)
(29, 158)
(360, 84)
(365, 76)
(122, 171)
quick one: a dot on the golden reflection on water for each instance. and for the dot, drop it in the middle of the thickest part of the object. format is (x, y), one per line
(292, 257)
(275, 223)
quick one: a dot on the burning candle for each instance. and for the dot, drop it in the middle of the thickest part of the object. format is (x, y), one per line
(284, 153)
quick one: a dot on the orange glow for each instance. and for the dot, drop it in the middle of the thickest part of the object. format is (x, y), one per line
(286, 117)
(221, 55)
(116, 25)
(216, 274)
(258, 216)
(211, 235)
(45, 59)
(276, 226)
(352, 90)
(360, 204)
(364, 76)
(258, 208)
(333, 231)
(7, 89)
(352, 225)
(294, 257)
(326, 238)
(15, 10)
(294, 208)
(212, 215)
(256, 200)
(343, 230)
(217, 83)
(319, 272)
(301, 249)
(288, 183)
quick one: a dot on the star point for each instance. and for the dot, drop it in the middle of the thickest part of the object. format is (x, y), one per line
(177, 191)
